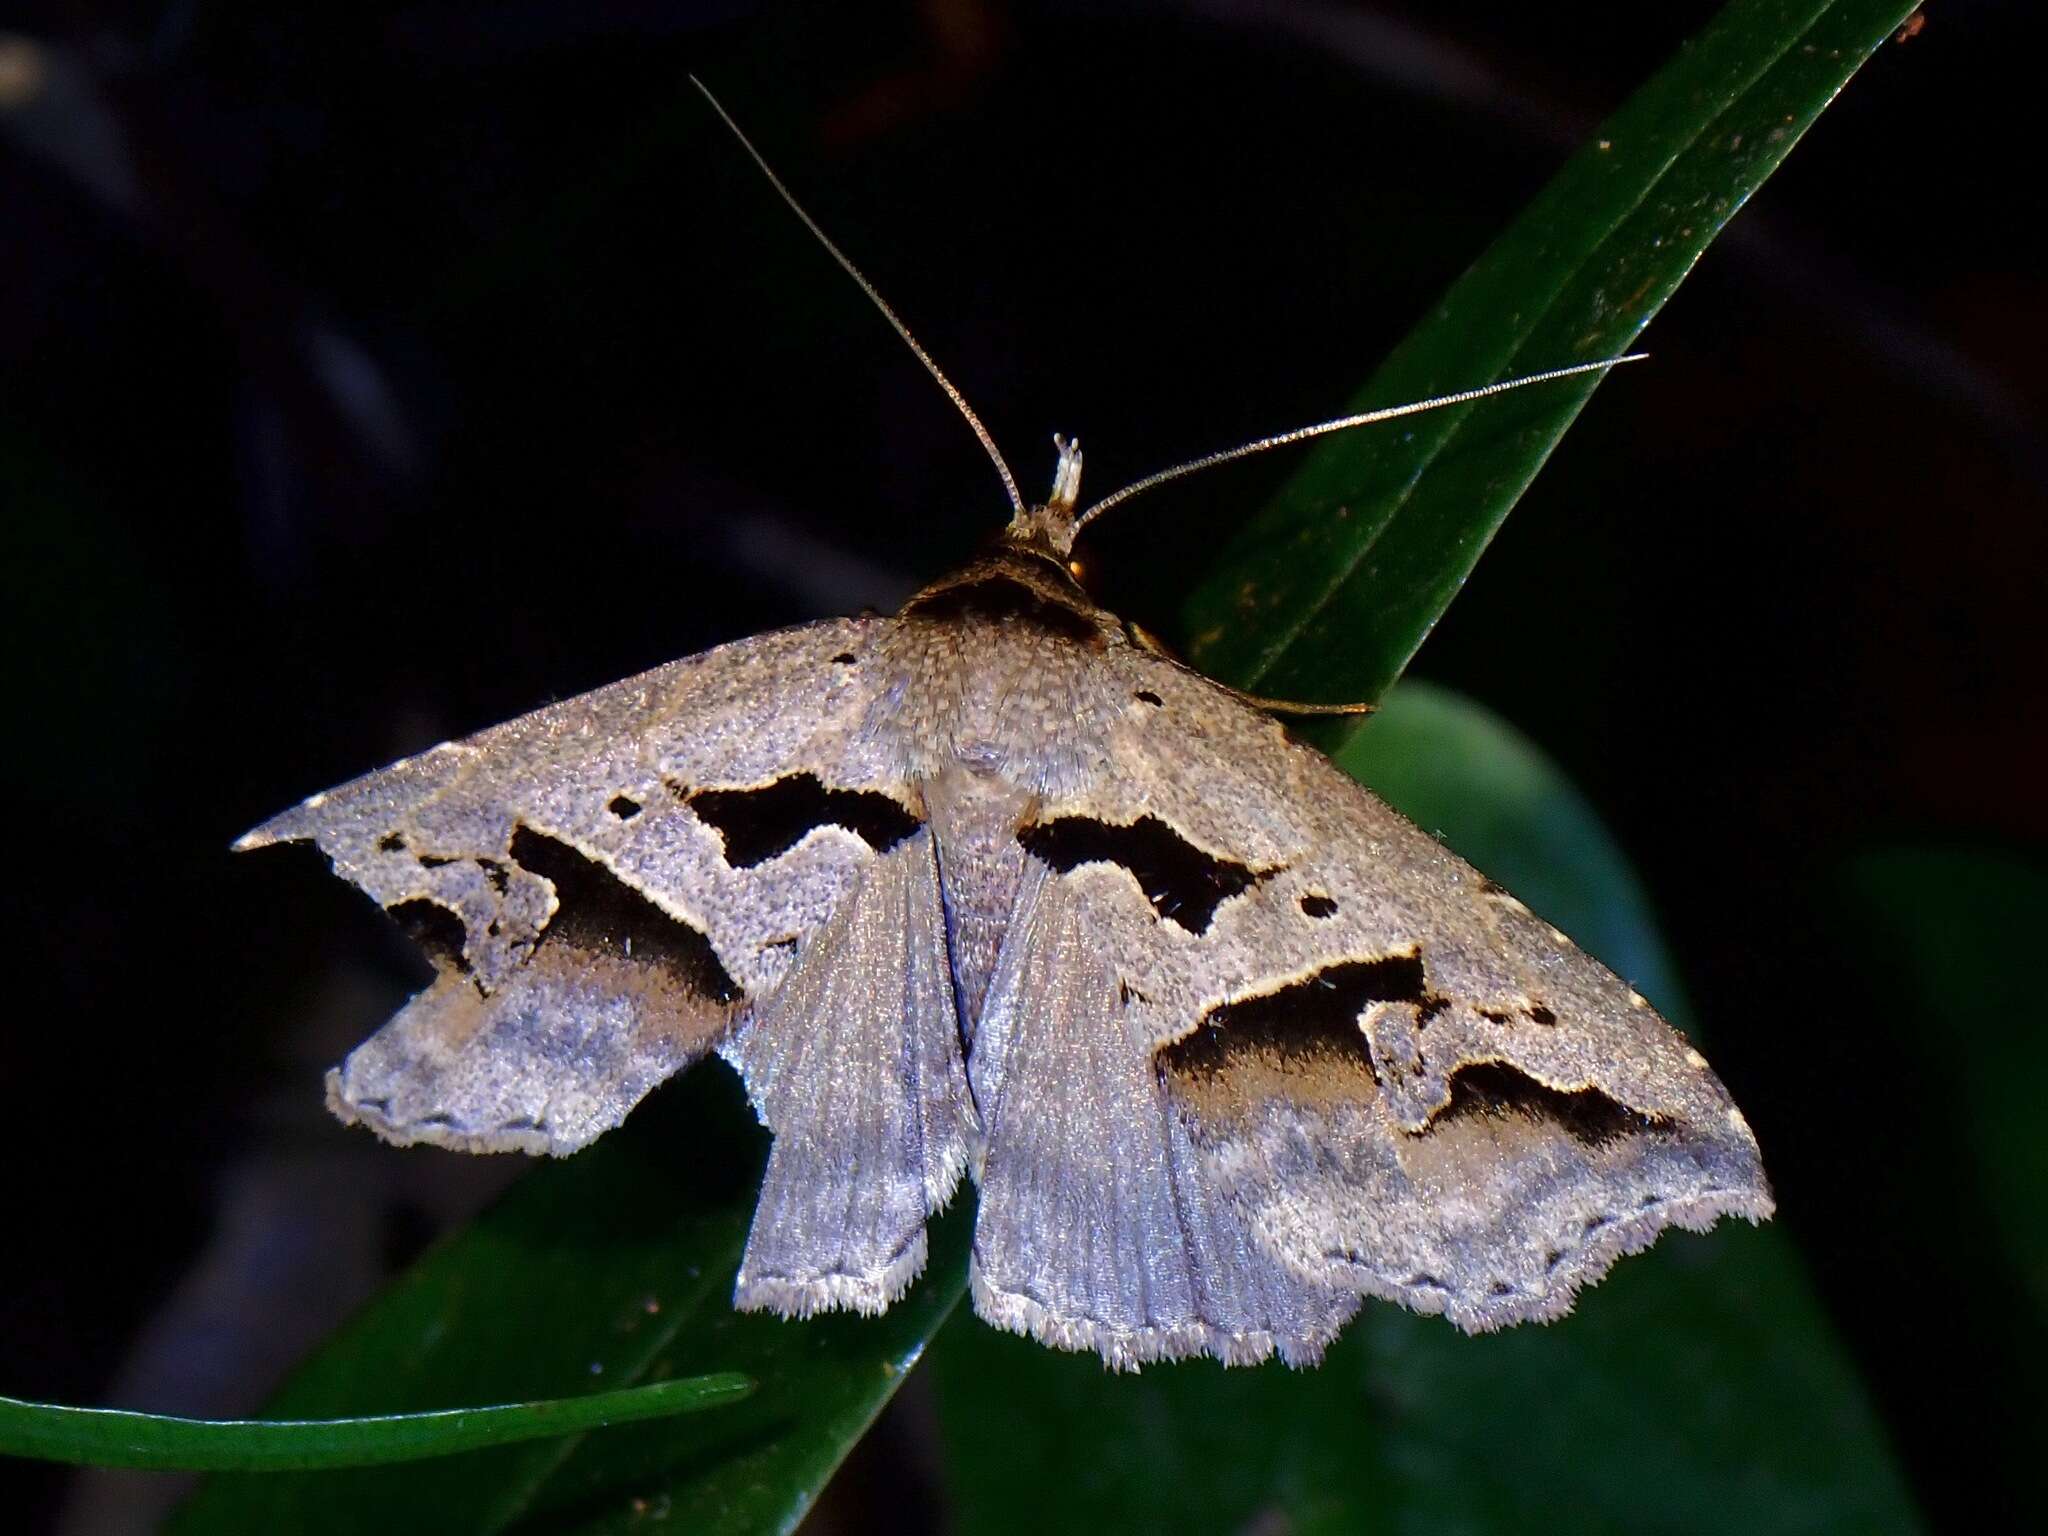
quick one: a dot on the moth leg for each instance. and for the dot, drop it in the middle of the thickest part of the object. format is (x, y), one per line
(854, 1063)
(1099, 1229)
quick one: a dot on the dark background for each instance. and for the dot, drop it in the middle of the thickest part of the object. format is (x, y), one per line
(370, 375)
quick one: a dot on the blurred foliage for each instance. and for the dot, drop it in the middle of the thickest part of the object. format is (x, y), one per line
(1954, 929)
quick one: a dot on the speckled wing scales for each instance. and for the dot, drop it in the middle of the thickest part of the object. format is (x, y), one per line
(606, 884)
(854, 1064)
(1099, 1228)
(1404, 1084)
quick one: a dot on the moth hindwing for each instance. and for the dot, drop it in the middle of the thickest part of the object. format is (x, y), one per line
(992, 887)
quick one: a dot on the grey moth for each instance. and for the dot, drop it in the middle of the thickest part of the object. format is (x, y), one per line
(993, 888)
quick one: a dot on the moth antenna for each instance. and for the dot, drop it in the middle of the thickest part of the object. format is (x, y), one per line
(1297, 707)
(959, 400)
(1342, 424)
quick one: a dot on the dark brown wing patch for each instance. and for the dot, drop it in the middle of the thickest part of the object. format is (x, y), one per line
(1184, 884)
(1495, 1089)
(599, 914)
(758, 824)
(1307, 1032)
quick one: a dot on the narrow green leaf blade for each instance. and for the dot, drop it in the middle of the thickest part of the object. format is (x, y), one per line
(1333, 587)
(113, 1437)
(1637, 1413)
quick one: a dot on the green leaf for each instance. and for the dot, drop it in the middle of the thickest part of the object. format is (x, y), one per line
(1638, 1413)
(1331, 589)
(113, 1437)
(610, 1269)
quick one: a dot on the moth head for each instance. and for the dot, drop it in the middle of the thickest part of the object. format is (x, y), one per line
(1050, 527)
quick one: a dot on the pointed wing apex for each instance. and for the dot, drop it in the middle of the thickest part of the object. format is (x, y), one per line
(604, 882)
(393, 789)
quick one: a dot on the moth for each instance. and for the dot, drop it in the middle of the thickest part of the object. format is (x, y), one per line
(996, 888)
